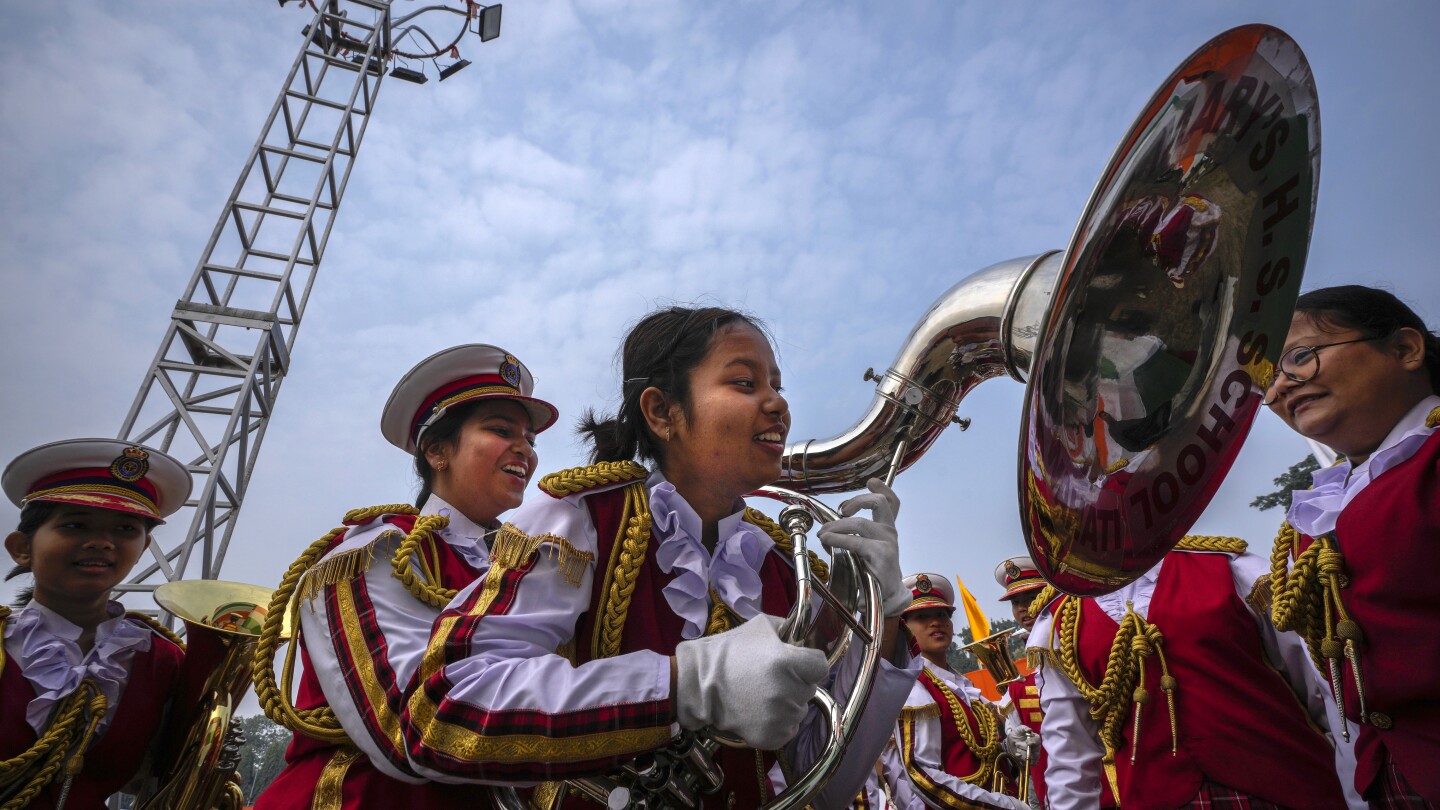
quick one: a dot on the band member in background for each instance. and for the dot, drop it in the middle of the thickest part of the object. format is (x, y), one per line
(1179, 682)
(367, 593)
(83, 684)
(1020, 705)
(629, 604)
(950, 738)
(1361, 373)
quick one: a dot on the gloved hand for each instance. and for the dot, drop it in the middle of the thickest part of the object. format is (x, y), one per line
(747, 682)
(874, 540)
(1023, 744)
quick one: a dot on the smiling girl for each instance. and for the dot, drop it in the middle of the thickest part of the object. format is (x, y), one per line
(83, 684)
(950, 738)
(1352, 567)
(630, 604)
(366, 594)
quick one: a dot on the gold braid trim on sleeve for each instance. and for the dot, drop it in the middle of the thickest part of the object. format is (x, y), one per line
(1433, 419)
(578, 479)
(60, 750)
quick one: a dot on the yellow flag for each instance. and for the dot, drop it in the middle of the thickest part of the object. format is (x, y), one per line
(979, 625)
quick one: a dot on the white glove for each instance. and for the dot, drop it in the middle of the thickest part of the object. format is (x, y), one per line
(874, 540)
(1023, 744)
(747, 682)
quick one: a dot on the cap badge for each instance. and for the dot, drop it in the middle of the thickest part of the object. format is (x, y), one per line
(131, 465)
(510, 371)
(1012, 571)
(922, 584)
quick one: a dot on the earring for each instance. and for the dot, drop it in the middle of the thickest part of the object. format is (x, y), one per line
(442, 466)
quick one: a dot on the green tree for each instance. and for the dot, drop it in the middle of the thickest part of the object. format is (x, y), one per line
(1297, 477)
(263, 756)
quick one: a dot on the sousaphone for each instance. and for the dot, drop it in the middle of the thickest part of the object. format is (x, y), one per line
(1143, 347)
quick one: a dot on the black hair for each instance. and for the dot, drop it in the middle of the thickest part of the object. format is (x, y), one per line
(659, 351)
(1375, 313)
(446, 430)
(32, 516)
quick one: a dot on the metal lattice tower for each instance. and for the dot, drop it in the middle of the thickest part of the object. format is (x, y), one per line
(211, 389)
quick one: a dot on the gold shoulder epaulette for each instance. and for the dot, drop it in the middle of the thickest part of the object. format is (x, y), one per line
(602, 474)
(915, 712)
(1201, 542)
(155, 627)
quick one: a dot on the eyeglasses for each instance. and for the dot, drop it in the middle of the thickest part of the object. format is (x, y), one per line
(1300, 364)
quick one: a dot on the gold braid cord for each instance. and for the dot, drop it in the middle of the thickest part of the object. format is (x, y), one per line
(626, 556)
(154, 625)
(1202, 542)
(984, 740)
(1124, 682)
(579, 479)
(429, 589)
(60, 751)
(319, 723)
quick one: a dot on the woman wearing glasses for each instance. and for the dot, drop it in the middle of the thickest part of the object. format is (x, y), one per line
(1353, 566)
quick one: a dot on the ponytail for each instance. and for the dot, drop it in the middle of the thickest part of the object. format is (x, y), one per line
(659, 352)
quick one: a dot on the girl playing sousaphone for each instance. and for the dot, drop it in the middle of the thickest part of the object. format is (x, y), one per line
(83, 684)
(366, 594)
(1352, 567)
(630, 604)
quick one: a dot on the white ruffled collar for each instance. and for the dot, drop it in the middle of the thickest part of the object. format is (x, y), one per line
(44, 646)
(463, 534)
(733, 570)
(1315, 511)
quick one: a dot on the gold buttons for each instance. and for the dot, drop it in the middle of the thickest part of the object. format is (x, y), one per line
(1381, 721)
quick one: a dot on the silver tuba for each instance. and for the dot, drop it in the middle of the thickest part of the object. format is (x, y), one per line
(1143, 348)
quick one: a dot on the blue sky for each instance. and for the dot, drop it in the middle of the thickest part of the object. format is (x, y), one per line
(830, 167)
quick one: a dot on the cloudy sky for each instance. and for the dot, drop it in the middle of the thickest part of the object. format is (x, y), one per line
(830, 167)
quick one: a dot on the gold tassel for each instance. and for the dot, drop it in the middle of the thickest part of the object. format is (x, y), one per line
(917, 712)
(337, 569)
(572, 560)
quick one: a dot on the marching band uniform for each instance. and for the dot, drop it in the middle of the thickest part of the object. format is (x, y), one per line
(949, 736)
(1213, 715)
(1020, 705)
(556, 663)
(111, 699)
(368, 603)
(1377, 523)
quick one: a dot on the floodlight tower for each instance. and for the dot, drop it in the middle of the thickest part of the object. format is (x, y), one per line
(211, 389)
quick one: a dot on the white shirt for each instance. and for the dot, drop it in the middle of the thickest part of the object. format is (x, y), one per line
(404, 623)
(45, 646)
(929, 756)
(1315, 511)
(1073, 776)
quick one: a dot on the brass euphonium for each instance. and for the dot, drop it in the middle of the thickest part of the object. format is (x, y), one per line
(993, 653)
(1143, 347)
(196, 765)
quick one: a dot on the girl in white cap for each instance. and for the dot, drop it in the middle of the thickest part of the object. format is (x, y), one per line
(630, 604)
(366, 594)
(949, 737)
(83, 684)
